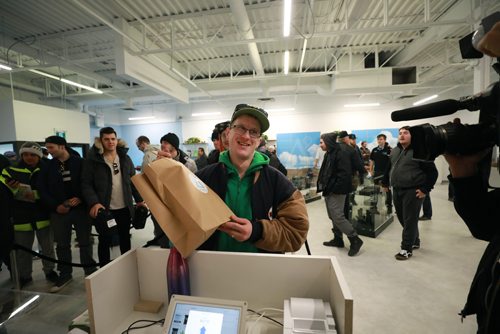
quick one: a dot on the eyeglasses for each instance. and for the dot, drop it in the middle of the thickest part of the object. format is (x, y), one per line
(116, 170)
(241, 130)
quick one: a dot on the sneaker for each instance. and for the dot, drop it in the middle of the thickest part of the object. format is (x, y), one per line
(335, 242)
(61, 283)
(403, 255)
(416, 246)
(52, 277)
(424, 218)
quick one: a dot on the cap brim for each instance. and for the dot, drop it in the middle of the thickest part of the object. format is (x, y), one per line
(264, 122)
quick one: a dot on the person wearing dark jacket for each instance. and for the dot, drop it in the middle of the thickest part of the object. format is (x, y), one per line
(6, 225)
(106, 185)
(478, 207)
(411, 180)
(30, 216)
(202, 160)
(335, 182)
(60, 189)
(270, 213)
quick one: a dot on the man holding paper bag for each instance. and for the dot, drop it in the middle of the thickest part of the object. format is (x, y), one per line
(269, 212)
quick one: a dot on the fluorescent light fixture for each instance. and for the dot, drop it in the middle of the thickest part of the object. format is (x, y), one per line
(140, 118)
(46, 74)
(355, 105)
(286, 62)
(69, 82)
(5, 67)
(287, 17)
(304, 48)
(76, 84)
(432, 97)
(22, 307)
(280, 109)
(206, 114)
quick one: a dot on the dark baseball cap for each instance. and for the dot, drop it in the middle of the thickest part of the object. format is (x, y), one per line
(259, 113)
(352, 136)
(343, 134)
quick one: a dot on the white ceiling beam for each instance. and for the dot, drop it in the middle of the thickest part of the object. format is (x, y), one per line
(243, 22)
(460, 11)
(332, 33)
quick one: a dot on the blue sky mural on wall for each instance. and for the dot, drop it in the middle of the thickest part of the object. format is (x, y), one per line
(370, 136)
(297, 150)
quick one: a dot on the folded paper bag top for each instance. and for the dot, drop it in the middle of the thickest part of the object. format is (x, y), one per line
(186, 209)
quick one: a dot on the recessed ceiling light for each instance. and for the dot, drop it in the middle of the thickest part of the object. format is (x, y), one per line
(355, 105)
(140, 118)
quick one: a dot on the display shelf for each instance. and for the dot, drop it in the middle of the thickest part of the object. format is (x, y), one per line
(369, 213)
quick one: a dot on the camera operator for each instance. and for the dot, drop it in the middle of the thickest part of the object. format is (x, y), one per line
(478, 207)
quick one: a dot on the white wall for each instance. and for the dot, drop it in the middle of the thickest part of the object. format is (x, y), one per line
(7, 125)
(35, 122)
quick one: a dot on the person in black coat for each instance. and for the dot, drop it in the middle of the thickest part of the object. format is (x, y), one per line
(335, 182)
(6, 225)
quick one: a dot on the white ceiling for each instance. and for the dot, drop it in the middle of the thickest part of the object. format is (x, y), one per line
(192, 51)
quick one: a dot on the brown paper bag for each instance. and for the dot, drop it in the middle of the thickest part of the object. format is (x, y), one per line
(185, 208)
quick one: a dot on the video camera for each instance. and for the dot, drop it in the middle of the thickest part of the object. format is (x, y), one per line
(429, 141)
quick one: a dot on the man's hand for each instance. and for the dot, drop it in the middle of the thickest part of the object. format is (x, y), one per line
(74, 201)
(141, 204)
(62, 209)
(13, 184)
(490, 43)
(95, 209)
(419, 193)
(384, 189)
(162, 154)
(238, 228)
(464, 165)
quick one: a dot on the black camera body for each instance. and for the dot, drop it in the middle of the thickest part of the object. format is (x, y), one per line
(429, 141)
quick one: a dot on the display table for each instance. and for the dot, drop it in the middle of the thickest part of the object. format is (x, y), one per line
(370, 215)
(263, 280)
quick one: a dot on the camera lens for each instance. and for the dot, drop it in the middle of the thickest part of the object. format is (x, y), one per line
(429, 141)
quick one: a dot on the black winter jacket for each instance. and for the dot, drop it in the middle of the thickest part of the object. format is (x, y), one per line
(339, 164)
(403, 172)
(25, 212)
(479, 210)
(51, 183)
(96, 177)
(272, 193)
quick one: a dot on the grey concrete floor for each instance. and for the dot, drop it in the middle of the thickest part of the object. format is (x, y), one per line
(421, 295)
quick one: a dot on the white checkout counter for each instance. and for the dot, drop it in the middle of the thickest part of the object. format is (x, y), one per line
(263, 280)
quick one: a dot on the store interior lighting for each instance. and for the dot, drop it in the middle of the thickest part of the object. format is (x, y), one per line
(206, 114)
(287, 17)
(432, 97)
(286, 62)
(5, 67)
(358, 105)
(69, 82)
(141, 118)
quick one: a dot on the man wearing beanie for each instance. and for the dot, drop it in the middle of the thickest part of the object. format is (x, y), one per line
(269, 212)
(30, 216)
(107, 189)
(170, 149)
(60, 190)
